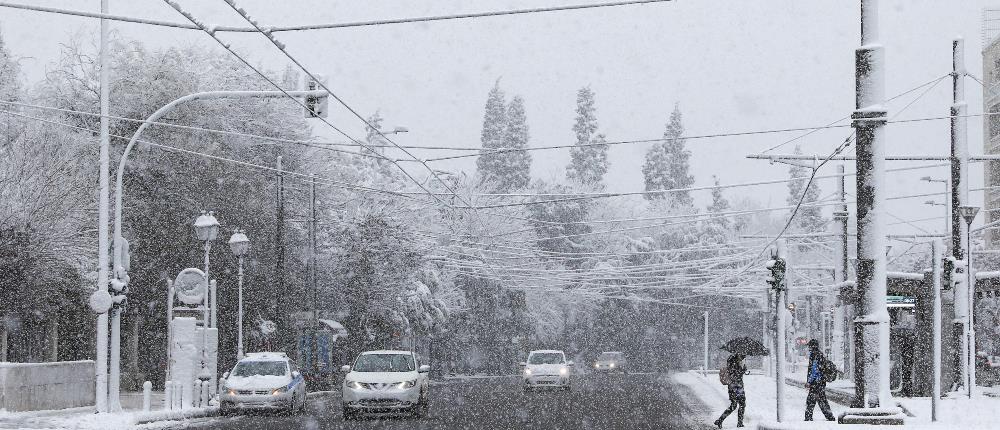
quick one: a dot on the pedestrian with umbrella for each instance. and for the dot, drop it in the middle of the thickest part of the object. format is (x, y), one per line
(732, 375)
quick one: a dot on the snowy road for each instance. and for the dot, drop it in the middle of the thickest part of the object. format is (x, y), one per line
(597, 402)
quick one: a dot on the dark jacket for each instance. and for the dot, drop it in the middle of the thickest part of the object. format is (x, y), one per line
(736, 369)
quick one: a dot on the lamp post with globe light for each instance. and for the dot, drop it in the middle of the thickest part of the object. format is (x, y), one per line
(239, 244)
(969, 214)
(206, 228)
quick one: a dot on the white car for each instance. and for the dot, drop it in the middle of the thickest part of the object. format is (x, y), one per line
(547, 368)
(385, 382)
(263, 380)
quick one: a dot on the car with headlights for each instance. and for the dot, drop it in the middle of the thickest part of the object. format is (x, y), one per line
(385, 382)
(610, 361)
(263, 381)
(547, 369)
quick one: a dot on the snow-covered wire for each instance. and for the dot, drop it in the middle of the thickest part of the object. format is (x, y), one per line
(323, 26)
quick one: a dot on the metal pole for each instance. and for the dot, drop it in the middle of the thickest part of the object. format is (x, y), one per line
(239, 315)
(205, 324)
(103, 260)
(279, 239)
(847, 306)
(970, 342)
(872, 323)
(705, 358)
(170, 318)
(312, 243)
(780, 308)
(936, 252)
(959, 197)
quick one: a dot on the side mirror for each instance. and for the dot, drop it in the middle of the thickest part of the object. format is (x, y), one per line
(523, 364)
(345, 369)
(225, 375)
(569, 363)
(424, 368)
(296, 374)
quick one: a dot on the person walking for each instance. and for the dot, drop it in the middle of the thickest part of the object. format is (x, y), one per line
(817, 374)
(732, 375)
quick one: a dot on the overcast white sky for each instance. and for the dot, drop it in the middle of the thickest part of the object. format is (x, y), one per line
(731, 65)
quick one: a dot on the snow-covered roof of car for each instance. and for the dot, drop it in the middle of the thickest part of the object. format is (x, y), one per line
(266, 356)
(547, 351)
(387, 351)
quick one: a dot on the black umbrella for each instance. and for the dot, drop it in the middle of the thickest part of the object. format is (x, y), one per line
(746, 346)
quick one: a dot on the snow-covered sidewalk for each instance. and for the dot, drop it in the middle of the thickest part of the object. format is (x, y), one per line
(956, 413)
(86, 418)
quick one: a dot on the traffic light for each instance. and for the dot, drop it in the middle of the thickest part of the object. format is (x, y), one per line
(776, 279)
(316, 107)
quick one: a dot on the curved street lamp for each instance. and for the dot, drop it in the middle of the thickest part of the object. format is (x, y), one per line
(240, 245)
(206, 228)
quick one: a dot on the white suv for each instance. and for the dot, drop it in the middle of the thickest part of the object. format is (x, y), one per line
(385, 381)
(547, 368)
(263, 380)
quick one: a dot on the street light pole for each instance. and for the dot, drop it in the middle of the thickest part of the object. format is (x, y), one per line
(119, 243)
(969, 214)
(207, 229)
(103, 262)
(239, 244)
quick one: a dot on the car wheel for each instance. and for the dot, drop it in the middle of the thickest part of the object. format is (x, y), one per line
(527, 389)
(348, 415)
(420, 410)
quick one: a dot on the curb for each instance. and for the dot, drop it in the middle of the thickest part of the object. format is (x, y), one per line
(175, 415)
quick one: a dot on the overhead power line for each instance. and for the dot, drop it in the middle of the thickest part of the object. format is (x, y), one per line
(325, 26)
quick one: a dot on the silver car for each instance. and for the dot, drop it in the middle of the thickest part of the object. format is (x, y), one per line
(263, 381)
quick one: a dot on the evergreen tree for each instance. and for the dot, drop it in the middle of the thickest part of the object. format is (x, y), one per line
(668, 163)
(808, 219)
(589, 159)
(517, 164)
(717, 228)
(491, 165)
(10, 85)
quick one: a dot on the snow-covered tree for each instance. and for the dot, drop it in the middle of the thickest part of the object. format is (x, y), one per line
(717, 228)
(492, 166)
(588, 159)
(667, 165)
(10, 75)
(809, 219)
(517, 172)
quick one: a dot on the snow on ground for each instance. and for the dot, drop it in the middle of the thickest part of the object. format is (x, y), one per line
(956, 412)
(85, 418)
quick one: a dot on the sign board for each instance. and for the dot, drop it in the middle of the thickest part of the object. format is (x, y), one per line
(900, 301)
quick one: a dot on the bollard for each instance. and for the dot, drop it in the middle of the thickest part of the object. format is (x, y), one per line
(206, 388)
(178, 395)
(147, 393)
(168, 395)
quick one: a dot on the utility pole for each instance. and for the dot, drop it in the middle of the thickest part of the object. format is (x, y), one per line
(103, 224)
(312, 244)
(847, 302)
(871, 326)
(279, 240)
(959, 198)
(779, 268)
(936, 252)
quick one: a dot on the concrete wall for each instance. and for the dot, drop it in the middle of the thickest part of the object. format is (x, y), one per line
(41, 386)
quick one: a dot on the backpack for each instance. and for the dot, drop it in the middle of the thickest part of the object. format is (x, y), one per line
(724, 374)
(828, 370)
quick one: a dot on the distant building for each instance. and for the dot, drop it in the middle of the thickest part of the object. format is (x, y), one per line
(991, 123)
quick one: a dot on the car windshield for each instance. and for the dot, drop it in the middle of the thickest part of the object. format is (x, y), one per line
(546, 358)
(610, 356)
(263, 368)
(383, 363)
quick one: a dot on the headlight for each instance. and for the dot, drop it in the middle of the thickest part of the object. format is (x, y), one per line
(354, 384)
(612, 365)
(232, 392)
(527, 371)
(279, 390)
(406, 384)
(563, 371)
(597, 365)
